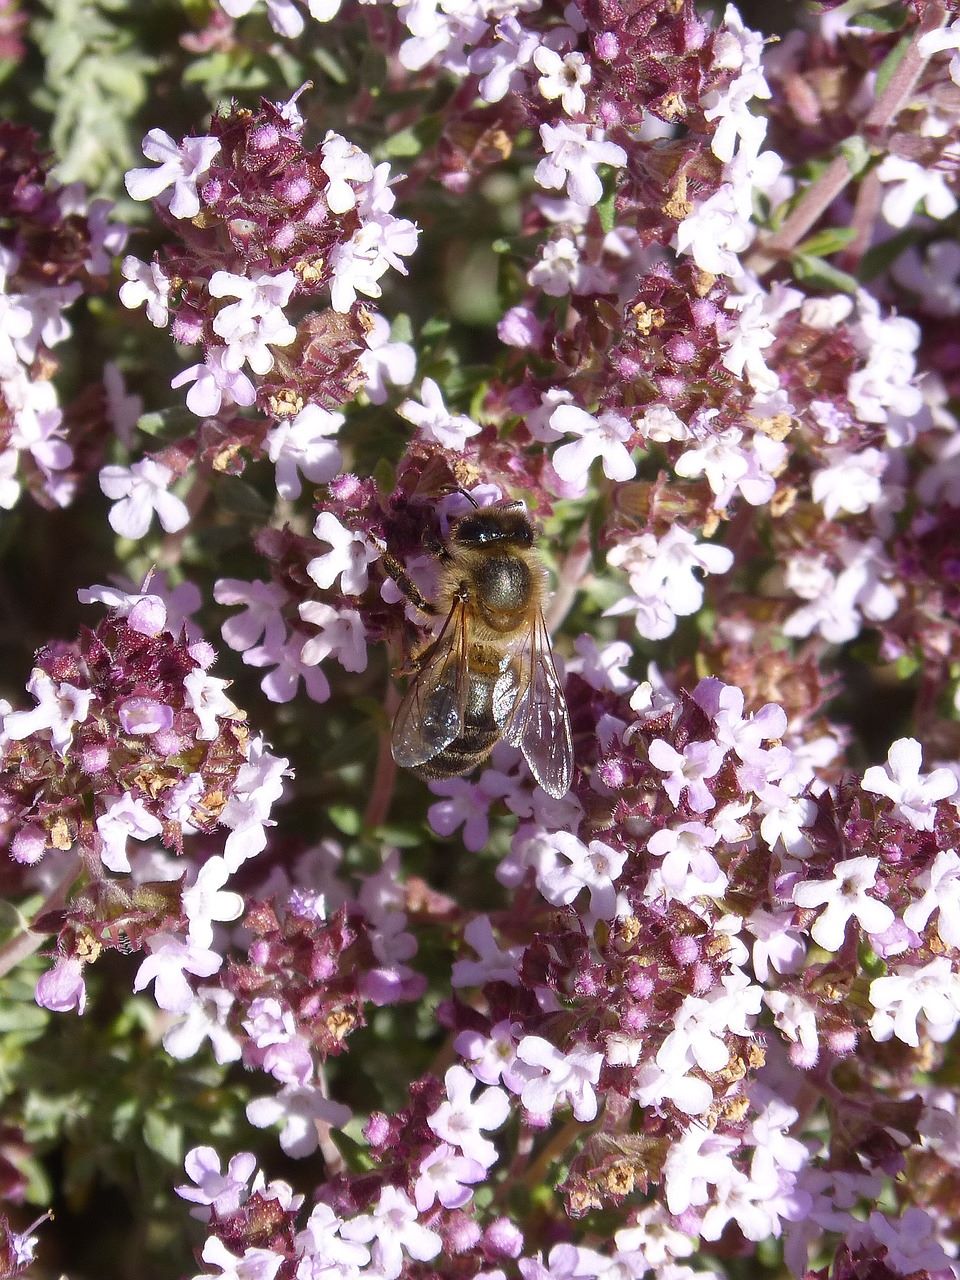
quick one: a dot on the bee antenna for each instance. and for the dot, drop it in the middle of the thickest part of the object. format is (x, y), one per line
(469, 496)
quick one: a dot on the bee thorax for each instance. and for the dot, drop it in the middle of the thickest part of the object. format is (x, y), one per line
(503, 586)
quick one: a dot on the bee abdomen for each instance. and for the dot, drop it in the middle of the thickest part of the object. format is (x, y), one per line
(462, 755)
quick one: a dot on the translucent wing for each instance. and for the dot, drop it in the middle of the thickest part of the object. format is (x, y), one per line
(536, 718)
(431, 714)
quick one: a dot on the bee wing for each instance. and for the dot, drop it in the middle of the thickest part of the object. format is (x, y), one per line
(536, 718)
(431, 714)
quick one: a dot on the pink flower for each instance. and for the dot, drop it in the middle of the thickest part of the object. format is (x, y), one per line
(393, 1228)
(170, 958)
(447, 1177)
(572, 153)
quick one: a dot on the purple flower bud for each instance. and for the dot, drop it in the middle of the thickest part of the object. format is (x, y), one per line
(29, 845)
(284, 236)
(462, 1233)
(681, 349)
(377, 1129)
(61, 988)
(503, 1239)
(187, 327)
(296, 189)
(266, 137)
(639, 983)
(685, 950)
(520, 328)
(145, 716)
(612, 773)
(842, 1042)
(260, 952)
(148, 616)
(606, 46)
(704, 979)
(95, 757)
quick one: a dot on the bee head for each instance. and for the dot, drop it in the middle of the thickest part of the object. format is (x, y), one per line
(506, 525)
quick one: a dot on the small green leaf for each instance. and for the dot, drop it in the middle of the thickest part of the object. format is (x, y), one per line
(607, 209)
(163, 1136)
(331, 67)
(402, 328)
(166, 424)
(814, 271)
(827, 241)
(242, 499)
(856, 153)
(402, 145)
(345, 819)
(890, 17)
(882, 256)
(907, 666)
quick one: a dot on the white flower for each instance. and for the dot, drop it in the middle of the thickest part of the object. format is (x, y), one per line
(461, 1119)
(844, 896)
(347, 559)
(901, 998)
(298, 1108)
(851, 482)
(170, 957)
(604, 437)
(715, 233)
(139, 491)
(385, 361)
(573, 152)
(300, 444)
(566, 1077)
(343, 163)
(563, 78)
(914, 794)
(206, 698)
(206, 1019)
(123, 817)
(911, 184)
(941, 892)
(180, 167)
(59, 707)
(434, 420)
(394, 1230)
(558, 271)
(206, 900)
(947, 37)
(342, 634)
(146, 283)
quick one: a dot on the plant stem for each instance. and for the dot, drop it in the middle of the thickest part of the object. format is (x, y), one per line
(26, 942)
(821, 194)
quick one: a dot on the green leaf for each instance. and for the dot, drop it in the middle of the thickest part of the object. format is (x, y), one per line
(890, 63)
(607, 209)
(856, 152)
(402, 145)
(882, 256)
(827, 241)
(401, 330)
(345, 818)
(890, 17)
(164, 1136)
(330, 65)
(816, 272)
(242, 499)
(166, 424)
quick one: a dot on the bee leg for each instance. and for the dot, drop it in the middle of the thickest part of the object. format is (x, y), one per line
(433, 545)
(406, 584)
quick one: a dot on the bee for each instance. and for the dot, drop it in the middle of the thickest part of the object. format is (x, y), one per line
(489, 674)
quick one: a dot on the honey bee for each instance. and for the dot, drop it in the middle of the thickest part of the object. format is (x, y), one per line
(489, 674)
